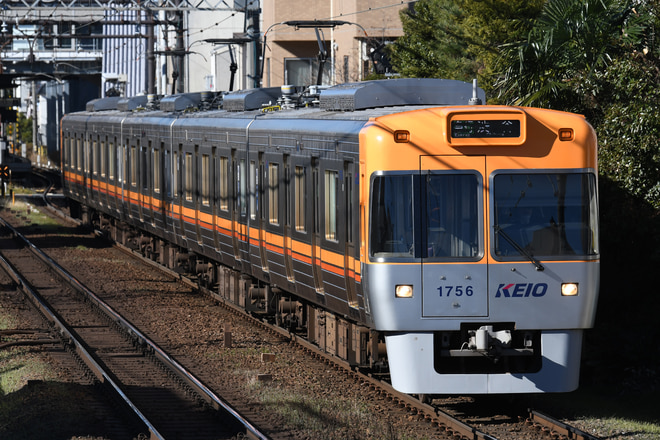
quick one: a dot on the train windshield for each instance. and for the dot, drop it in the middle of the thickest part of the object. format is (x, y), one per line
(434, 216)
(392, 217)
(544, 215)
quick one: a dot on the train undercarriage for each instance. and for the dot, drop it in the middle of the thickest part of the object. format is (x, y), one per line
(355, 344)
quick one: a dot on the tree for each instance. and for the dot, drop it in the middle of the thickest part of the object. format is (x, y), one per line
(570, 40)
(598, 58)
(432, 45)
(491, 23)
(628, 124)
(24, 128)
(459, 39)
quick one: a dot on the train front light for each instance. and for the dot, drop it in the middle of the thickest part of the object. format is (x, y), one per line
(569, 289)
(403, 291)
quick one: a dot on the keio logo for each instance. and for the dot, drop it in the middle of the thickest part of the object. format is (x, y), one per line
(521, 290)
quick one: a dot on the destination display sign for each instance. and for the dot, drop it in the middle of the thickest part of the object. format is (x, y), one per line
(485, 128)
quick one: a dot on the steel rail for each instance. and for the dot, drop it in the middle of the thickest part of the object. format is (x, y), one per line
(64, 330)
(558, 427)
(202, 390)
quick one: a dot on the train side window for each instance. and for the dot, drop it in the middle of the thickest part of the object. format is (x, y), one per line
(72, 153)
(224, 186)
(254, 183)
(188, 176)
(104, 157)
(206, 180)
(96, 164)
(242, 187)
(274, 193)
(157, 168)
(392, 229)
(331, 182)
(287, 191)
(85, 156)
(167, 172)
(134, 166)
(144, 166)
(79, 154)
(112, 159)
(175, 174)
(124, 162)
(121, 163)
(348, 179)
(300, 197)
(67, 152)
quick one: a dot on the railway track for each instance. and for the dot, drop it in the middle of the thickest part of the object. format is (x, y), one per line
(556, 428)
(159, 391)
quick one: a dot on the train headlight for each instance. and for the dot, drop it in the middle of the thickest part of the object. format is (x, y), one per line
(569, 289)
(403, 291)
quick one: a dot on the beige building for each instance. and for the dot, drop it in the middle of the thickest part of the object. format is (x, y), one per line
(291, 54)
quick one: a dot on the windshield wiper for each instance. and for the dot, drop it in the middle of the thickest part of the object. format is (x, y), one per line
(537, 264)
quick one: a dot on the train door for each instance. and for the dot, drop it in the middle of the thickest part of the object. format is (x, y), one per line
(454, 269)
(141, 178)
(217, 186)
(104, 172)
(262, 212)
(78, 167)
(179, 195)
(86, 159)
(174, 199)
(255, 220)
(349, 253)
(198, 196)
(316, 226)
(123, 174)
(156, 190)
(189, 218)
(146, 179)
(95, 184)
(207, 176)
(168, 177)
(288, 242)
(113, 176)
(240, 217)
(134, 208)
(223, 194)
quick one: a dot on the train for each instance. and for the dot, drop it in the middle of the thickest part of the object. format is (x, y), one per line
(401, 225)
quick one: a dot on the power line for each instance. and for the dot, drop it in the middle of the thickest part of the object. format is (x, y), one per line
(119, 5)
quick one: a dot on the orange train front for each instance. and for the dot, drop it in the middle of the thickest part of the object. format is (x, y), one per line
(464, 236)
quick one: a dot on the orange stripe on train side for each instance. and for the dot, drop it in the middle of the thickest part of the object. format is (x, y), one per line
(300, 251)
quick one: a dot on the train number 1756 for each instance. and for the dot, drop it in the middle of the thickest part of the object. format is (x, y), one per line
(455, 290)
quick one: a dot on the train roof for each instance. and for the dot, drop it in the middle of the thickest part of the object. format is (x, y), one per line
(354, 101)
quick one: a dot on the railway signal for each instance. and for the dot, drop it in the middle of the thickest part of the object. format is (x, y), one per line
(5, 172)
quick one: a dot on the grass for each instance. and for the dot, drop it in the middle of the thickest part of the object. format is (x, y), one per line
(18, 365)
(615, 427)
(32, 215)
(323, 416)
(609, 411)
